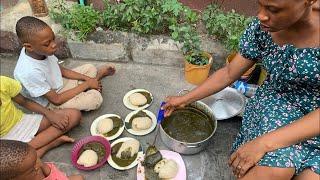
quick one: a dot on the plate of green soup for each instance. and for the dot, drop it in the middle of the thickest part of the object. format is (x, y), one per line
(109, 126)
(125, 153)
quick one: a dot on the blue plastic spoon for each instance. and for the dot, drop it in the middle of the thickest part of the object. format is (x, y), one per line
(160, 118)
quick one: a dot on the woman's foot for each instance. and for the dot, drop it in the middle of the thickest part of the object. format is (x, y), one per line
(106, 70)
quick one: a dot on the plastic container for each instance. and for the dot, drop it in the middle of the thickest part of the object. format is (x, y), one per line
(75, 153)
(247, 89)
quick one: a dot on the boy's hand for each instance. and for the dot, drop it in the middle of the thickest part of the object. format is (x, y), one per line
(59, 121)
(94, 84)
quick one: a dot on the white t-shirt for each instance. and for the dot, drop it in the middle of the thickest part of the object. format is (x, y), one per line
(38, 76)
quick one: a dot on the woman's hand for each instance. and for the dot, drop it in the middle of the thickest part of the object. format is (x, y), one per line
(173, 102)
(247, 156)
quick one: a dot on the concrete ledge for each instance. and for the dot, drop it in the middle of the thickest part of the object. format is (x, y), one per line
(107, 52)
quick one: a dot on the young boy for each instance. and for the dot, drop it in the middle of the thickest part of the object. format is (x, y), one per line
(41, 75)
(42, 131)
(19, 161)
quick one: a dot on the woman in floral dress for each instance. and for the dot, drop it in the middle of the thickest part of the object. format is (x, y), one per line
(279, 137)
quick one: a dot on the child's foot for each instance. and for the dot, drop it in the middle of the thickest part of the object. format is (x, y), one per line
(61, 140)
(106, 70)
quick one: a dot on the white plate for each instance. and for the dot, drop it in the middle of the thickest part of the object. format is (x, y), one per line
(133, 164)
(93, 128)
(142, 132)
(127, 103)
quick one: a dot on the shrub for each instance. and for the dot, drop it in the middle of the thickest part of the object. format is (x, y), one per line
(81, 19)
(226, 26)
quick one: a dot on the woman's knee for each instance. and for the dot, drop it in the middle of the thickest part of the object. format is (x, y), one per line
(307, 174)
(264, 173)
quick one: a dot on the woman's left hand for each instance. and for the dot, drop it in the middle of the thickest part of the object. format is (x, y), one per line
(247, 156)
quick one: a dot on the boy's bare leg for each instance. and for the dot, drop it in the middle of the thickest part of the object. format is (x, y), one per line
(60, 140)
(76, 177)
(48, 133)
(106, 70)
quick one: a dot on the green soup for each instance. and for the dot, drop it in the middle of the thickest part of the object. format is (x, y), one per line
(188, 125)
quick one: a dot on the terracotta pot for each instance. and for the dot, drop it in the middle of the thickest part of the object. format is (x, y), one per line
(39, 7)
(196, 74)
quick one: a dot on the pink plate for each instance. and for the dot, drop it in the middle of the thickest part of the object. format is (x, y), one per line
(182, 174)
(77, 148)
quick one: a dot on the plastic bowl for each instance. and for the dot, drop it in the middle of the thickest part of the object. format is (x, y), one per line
(75, 153)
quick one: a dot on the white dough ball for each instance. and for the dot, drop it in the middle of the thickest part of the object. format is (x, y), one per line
(137, 99)
(88, 158)
(159, 165)
(141, 123)
(168, 170)
(131, 146)
(105, 125)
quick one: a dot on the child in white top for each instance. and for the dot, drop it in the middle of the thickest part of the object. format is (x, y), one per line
(41, 75)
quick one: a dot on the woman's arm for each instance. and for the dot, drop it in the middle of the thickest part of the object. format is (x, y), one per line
(67, 73)
(57, 120)
(215, 83)
(305, 128)
(250, 153)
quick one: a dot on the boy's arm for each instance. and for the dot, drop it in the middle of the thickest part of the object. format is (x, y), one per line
(58, 99)
(57, 120)
(67, 73)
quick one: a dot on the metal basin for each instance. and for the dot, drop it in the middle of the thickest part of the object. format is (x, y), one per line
(226, 104)
(187, 147)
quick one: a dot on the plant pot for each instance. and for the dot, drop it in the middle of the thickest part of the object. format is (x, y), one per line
(247, 74)
(196, 74)
(39, 8)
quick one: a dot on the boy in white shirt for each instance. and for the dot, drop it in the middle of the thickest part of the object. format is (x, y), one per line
(42, 77)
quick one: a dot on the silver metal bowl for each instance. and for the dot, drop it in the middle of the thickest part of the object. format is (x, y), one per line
(187, 147)
(226, 104)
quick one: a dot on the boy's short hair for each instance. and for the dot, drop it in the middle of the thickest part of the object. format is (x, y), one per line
(27, 26)
(12, 154)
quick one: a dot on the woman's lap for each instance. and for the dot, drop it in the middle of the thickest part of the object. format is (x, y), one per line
(269, 113)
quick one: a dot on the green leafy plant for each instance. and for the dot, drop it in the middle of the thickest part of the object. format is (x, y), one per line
(154, 17)
(140, 16)
(81, 19)
(186, 34)
(226, 26)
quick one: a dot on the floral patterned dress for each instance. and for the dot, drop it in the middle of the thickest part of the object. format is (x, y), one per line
(291, 90)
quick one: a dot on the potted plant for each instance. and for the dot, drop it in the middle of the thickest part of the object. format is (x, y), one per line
(228, 27)
(197, 62)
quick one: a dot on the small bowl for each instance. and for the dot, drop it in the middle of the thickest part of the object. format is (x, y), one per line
(75, 153)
